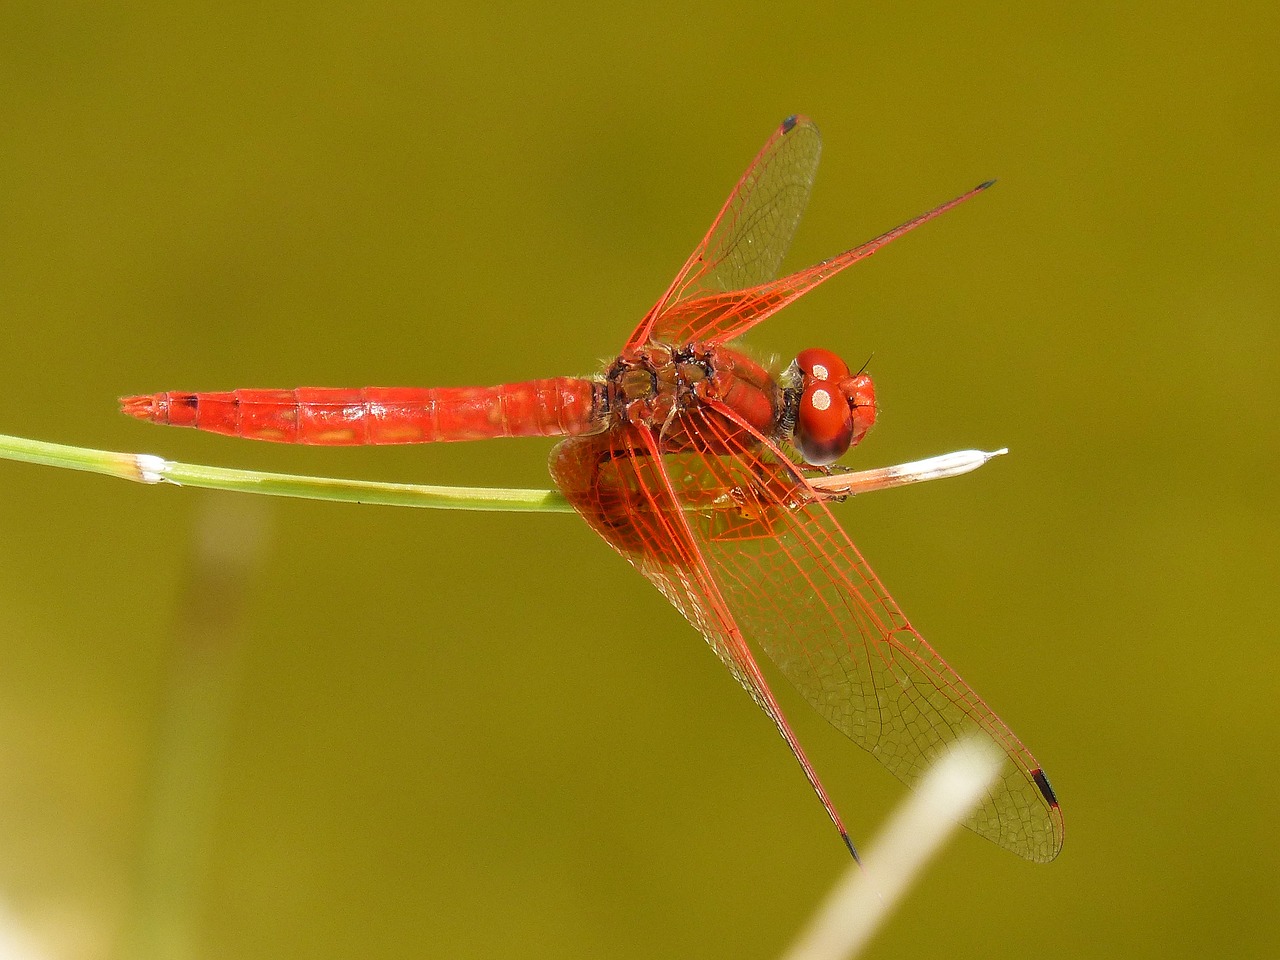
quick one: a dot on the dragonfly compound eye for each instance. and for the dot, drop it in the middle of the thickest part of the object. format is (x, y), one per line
(818, 364)
(824, 423)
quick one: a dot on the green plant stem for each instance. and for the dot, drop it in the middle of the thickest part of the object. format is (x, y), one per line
(145, 468)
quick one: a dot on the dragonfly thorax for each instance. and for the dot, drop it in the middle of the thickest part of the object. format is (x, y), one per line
(658, 383)
(652, 384)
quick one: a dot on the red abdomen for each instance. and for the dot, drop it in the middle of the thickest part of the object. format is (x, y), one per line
(560, 406)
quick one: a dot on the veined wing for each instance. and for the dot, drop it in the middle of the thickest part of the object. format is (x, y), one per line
(750, 236)
(719, 317)
(795, 585)
(619, 483)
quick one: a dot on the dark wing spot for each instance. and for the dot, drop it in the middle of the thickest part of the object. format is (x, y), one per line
(1043, 783)
(788, 123)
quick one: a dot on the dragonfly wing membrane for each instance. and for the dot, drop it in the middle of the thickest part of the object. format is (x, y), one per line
(799, 589)
(620, 483)
(612, 481)
(750, 236)
(722, 316)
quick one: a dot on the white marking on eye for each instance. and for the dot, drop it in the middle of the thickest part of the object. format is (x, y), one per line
(820, 400)
(820, 372)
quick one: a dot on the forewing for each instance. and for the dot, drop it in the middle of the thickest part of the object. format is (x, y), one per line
(750, 236)
(722, 316)
(797, 586)
(615, 484)
(625, 490)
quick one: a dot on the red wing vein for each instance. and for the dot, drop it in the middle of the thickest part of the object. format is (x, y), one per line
(647, 525)
(750, 235)
(718, 316)
(806, 596)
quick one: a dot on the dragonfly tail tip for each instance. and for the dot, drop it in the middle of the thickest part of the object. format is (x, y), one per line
(142, 407)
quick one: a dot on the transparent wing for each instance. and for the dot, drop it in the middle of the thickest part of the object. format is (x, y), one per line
(795, 585)
(619, 483)
(750, 236)
(722, 316)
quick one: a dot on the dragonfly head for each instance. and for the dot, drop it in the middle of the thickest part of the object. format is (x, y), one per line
(833, 409)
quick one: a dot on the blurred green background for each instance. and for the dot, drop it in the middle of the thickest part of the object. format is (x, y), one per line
(485, 736)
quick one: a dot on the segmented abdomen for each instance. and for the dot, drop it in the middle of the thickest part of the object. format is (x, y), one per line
(558, 406)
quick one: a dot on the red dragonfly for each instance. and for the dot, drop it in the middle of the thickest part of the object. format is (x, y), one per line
(705, 470)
